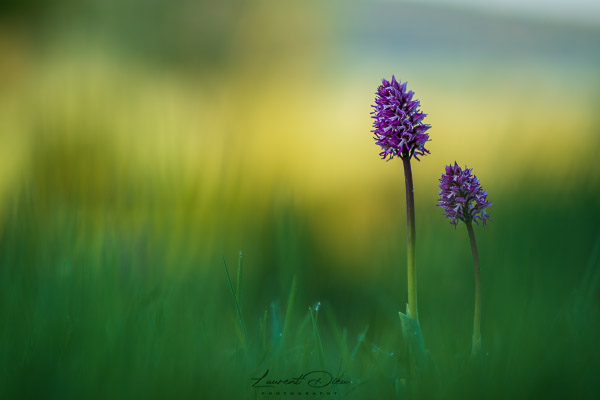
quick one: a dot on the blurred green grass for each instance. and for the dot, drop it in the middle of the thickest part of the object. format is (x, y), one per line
(102, 313)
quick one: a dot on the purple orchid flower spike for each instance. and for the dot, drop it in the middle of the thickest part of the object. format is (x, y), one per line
(400, 132)
(399, 127)
(462, 197)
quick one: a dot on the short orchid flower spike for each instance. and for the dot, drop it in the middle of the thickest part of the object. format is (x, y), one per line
(462, 197)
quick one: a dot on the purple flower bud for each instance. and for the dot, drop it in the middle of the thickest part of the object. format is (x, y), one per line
(462, 197)
(398, 122)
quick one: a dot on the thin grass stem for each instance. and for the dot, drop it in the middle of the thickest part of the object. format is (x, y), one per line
(318, 342)
(238, 283)
(237, 304)
(288, 312)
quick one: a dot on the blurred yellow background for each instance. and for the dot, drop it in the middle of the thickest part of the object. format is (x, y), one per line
(214, 113)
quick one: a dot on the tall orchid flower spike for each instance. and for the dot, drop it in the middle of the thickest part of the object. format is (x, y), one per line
(400, 132)
(463, 199)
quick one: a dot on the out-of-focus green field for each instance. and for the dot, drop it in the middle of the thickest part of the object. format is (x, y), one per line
(133, 160)
(90, 309)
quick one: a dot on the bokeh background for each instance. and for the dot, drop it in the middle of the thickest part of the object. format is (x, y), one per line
(143, 141)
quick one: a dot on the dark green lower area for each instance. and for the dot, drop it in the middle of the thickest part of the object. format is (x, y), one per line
(93, 306)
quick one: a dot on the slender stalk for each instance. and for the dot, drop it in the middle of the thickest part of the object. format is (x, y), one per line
(476, 347)
(238, 286)
(237, 304)
(410, 237)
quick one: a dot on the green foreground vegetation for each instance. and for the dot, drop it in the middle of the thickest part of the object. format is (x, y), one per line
(92, 308)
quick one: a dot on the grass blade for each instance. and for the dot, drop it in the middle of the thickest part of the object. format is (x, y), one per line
(275, 327)
(318, 342)
(263, 331)
(339, 336)
(361, 338)
(238, 286)
(288, 312)
(237, 304)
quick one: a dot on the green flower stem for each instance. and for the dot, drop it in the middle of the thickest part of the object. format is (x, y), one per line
(476, 348)
(410, 237)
